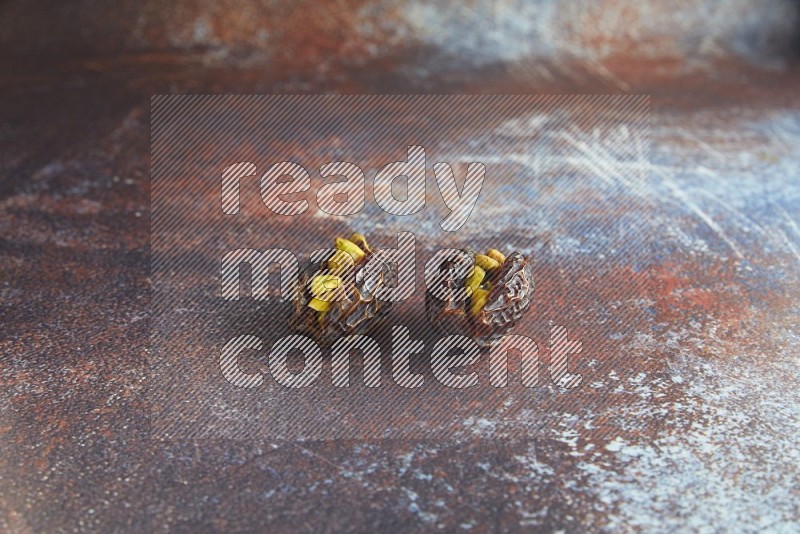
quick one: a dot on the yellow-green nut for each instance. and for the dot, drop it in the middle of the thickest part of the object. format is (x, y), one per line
(474, 280)
(351, 248)
(361, 241)
(496, 255)
(324, 283)
(319, 305)
(486, 263)
(478, 300)
(340, 262)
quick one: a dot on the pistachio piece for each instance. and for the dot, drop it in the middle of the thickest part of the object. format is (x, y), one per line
(474, 280)
(486, 263)
(351, 248)
(496, 255)
(323, 283)
(478, 301)
(319, 305)
(361, 241)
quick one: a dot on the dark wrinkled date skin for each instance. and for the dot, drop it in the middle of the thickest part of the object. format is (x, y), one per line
(509, 300)
(358, 314)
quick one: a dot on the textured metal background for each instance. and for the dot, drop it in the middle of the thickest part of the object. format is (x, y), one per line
(707, 438)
